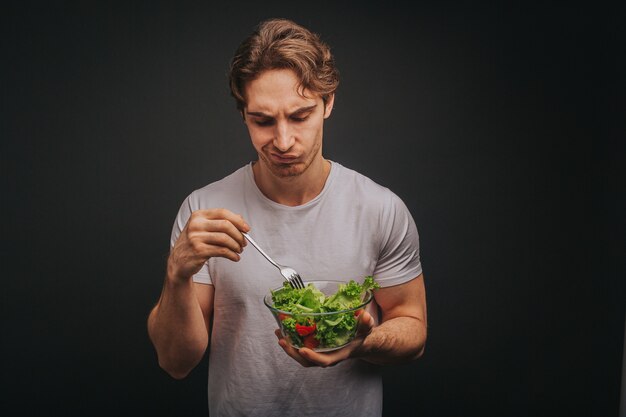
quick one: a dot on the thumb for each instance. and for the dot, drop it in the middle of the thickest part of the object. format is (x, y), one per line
(366, 323)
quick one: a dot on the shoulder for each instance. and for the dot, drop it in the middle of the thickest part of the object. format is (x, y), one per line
(364, 188)
(220, 193)
(218, 190)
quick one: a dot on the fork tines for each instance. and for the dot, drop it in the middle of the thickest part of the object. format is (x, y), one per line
(296, 281)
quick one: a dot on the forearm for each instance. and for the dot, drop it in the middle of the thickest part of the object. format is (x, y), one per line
(177, 328)
(396, 340)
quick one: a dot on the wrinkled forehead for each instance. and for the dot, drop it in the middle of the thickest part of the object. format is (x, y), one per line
(277, 90)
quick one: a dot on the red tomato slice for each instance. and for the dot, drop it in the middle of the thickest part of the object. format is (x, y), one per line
(310, 342)
(305, 330)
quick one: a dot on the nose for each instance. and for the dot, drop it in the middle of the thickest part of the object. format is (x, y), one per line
(283, 138)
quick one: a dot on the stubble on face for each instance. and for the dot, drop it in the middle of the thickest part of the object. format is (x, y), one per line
(288, 171)
(279, 114)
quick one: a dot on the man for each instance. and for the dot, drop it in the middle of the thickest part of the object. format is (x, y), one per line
(325, 220)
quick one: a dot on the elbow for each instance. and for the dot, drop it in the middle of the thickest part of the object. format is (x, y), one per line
(180, 358)
(176, 371)
(412, 355)
(178, 375)
(421, 342)
(179, 364)
(419, 353)
(420, 347)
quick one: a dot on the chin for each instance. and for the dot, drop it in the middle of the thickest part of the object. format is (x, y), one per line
(287, 170)
(284, 170)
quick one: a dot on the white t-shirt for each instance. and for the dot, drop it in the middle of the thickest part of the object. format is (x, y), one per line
(352, 229)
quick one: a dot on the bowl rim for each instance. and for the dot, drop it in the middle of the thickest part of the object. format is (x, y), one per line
(369, 296)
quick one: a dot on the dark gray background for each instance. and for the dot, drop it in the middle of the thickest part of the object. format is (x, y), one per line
(501, 127)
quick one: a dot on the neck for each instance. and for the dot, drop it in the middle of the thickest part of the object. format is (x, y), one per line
(296, 190)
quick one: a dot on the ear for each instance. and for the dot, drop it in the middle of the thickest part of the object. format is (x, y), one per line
(328, 106)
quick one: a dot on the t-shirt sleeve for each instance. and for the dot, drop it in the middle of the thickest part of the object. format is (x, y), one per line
(182, 217)
(399, 259)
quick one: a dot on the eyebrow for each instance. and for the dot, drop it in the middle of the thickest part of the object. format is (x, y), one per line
(300, 110)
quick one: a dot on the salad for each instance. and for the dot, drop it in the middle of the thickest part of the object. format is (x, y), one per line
(315, 320)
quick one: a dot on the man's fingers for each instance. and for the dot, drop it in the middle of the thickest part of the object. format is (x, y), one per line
(200, 222)
(366, 324)
(325, 359)
(221, 251)
(221, 213)
(291, 351)
(308, 357)
(219, 238)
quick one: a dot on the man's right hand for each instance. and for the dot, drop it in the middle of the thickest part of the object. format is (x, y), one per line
(208, 233)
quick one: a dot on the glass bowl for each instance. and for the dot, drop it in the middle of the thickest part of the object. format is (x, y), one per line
(321, 332)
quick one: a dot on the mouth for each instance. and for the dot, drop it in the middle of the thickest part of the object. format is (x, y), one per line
(283, 159)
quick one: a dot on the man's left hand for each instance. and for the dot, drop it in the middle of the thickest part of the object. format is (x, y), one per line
(308, 357)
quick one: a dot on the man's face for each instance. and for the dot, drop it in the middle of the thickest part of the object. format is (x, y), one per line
(286, 128)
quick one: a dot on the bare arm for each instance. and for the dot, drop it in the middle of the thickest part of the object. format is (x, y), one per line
(400, 337)
(178, 325)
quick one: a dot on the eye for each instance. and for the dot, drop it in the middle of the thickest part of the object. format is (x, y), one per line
(299, 118)
(264, 122)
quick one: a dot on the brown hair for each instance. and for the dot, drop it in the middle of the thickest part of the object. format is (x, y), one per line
(283, 44)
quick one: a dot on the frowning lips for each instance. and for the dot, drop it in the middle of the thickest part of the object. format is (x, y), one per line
(283, 158)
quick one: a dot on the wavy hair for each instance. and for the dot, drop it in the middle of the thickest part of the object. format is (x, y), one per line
(283, 44)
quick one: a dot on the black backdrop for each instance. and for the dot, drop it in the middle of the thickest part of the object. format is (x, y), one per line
(502, 128)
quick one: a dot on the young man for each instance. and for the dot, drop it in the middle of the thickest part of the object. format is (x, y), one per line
(325, 220)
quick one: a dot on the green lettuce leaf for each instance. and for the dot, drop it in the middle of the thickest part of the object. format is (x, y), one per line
(332, 330)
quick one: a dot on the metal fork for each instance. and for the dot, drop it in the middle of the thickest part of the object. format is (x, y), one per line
(292, 277)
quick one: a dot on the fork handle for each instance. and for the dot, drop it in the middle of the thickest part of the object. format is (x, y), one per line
(249, 238)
